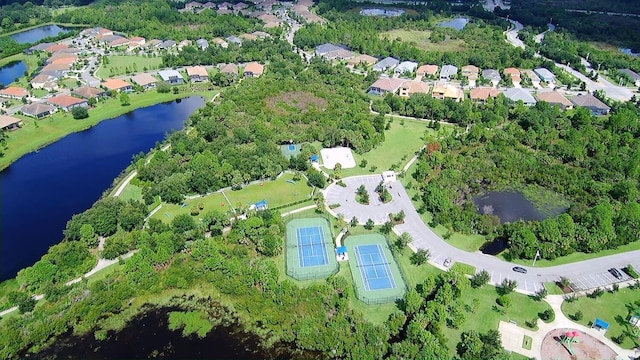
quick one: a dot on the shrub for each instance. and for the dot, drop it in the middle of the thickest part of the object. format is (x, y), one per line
(547, 315)
(596, 293)
(631, 271)
(504, 301)
(480, 279)
(578, 315)
(420, 257)
(79, 113)
(369, 224)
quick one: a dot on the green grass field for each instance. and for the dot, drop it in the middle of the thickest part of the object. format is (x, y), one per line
(613, 308)
(36, 134)
(119, 63)
(575, 257)
(131, 192)
(213, 202)
(277, 193)
(421, 40)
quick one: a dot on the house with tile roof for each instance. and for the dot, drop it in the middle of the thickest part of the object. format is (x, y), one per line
(519, 94)
(229, 69)
(469, 70)
(427, 70)
(136, 41)
(9, 123)
(366, 60)
(253, 69)
(88, 92)
(44, 81)
(145, 80)
(385, 85)
(535, 80)
(38, 110)
(447, 91)
(220, 42)
(386, 64)
(481, 94)
(67, 102)
(514, 74)
(197, 73)
(555, 98)
(118, 85)
(592, 103)
(412, 87)
(56, 47)
(14, 92)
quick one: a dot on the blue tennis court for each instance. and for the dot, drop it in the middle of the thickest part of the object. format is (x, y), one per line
(292, 147)
(374, 267)
(312, 249)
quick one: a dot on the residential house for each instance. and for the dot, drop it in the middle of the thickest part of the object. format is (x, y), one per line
(545, 75)
(555, 98)
(224, 12)
(197, 73)
(67, 102)
(229, 69)
(260, 34)
(38, 110)
(635, 77)
(136, 41)
(120, 41)
(44, 81)
(203, 44)
(589, 101)
(471, 73)
(363, 59)
(232, 39)
(491, 75)
(405, 67)
(412, 87)
(249, 37)
(118, 85)
(153, 43)
(386, 64)
(9, 123)
(39, 47)
(448, 71)
(535, 80)
(61, 55)
(167, 44)
(192, 6)
(56, 47)
(514, 74)
(225, 5)
(447, 91)
(427, 70)
(253, 69)
(87, 92)
(240, 6)
(145, 80)
(385, 85)
(14, 92)
(327, 48)
(58, 71)
(481, 94)
(209, 5)
(170, 76)
(220, 42)
(184, 43)
(339, 55)
(519, 94)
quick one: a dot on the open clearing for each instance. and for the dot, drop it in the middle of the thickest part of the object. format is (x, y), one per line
(421, 40)
(295, 101)
(118, 65)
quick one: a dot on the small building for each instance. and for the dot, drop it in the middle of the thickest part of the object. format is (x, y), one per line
(481, 94)
(261, 205)
(38, 110)
(44, 81)
(117, 85)
(388, 176)
(519, 94)
(405, 67)
(253, 69)
(545, 75)
(412, 87)
(447, 91)
(136, 41)
(234, 40)
(535, 80)
(469, 70)
(203, 44)
(427, 70)
(635, 319)
(514, 74)
(14, 92)
(366, 60)
(589, 101)
(448, 71)
(229, 69)
(171, 76)
(197, 74)
(386, 64)
(555, 98)
(492, 75)
(220, 42)
(167, 44)
(9, 123)
(635, 77)
(67, 102)
(88, 92)
(600, 325)
(384, 86)
(145, 80)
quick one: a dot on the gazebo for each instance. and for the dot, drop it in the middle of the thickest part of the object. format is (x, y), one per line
(600, 325)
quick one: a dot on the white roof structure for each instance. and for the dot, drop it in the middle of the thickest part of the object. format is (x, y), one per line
(519, 94)
(166, 75)
(406, 66)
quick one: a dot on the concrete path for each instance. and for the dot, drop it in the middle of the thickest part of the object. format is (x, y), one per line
(125, 183)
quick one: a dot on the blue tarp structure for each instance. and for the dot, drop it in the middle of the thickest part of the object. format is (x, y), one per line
(601, 324)
(261, 205)
(342, 250)
(315, 158)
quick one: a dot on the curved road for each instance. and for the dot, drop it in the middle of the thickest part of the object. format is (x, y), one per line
(583, 274)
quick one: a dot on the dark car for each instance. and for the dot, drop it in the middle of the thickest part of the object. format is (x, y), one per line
(616, 273)
(520, 270)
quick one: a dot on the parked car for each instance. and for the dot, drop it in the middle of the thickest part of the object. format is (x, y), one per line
(615, 272)
(520, 269)
(447, 262)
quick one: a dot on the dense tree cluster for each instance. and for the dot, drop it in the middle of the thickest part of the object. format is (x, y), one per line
(592, 161)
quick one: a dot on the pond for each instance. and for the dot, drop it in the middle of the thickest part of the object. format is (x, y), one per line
(37, 34)
(43, 189)
(10, 72)
(457, 23)
(509, 206)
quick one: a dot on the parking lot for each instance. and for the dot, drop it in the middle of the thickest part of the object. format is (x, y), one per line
(598, 279)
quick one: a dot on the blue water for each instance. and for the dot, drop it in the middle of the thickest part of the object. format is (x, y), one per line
(42, 190)
(10, 72)
(37, 34)
(457, 23)
(509, 206)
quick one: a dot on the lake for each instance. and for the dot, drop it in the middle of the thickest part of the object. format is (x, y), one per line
(42, 190)
(457, 23)
(509, 206)
(10, 72)
(37, 34)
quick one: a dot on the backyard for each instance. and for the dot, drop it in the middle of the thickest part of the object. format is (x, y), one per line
(121, 65)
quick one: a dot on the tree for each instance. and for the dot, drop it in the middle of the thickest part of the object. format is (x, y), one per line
(369, 224)
(353, 222)
(420, 257)
(403, 240)
(124, 99)
(316, 178)
(480, 279)
(88, 235)
(507, 286)
(386, 228)
(183, 223)
(79, 112)
(504, 301)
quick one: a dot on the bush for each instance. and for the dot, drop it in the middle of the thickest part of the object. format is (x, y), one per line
(79, 113)
(578, 315)
(420, 257)
(631, 271)
(596, 293)
(480, 279)
(369, 224)
(547, 315)
(504, 301)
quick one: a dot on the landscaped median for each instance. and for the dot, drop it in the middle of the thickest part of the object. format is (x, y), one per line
(36, 134)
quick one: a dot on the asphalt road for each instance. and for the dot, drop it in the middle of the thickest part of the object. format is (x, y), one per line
(580, 273)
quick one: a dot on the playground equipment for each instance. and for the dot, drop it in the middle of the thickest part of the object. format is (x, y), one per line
(568, 339)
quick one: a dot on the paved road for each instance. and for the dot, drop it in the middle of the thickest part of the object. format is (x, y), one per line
(425, 238)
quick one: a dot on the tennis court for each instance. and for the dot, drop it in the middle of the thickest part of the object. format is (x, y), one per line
(374, 267)
(311, 246)
(309, 250)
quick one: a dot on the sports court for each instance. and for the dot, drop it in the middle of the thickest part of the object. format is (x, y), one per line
(375, 272)
(290, 150)
(342, 155)
(310, 251)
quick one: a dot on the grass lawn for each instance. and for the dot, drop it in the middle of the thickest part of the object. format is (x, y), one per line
(211, 202)
(36, 134)
(421, 40)
(39, 92)
(277, 193)
(414, 274)
(553, 288)
(131, 192)
(400, 144)
(526, 342)
(484, 318)
(575, 257)
(613, 308)
(119, 63)
(106, 272)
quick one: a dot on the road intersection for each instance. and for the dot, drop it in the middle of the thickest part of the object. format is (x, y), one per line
(583, 275)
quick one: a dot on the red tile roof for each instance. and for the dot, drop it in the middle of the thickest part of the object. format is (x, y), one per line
(254, 68)
(116, 84)
(65, 101)
(15, 91)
